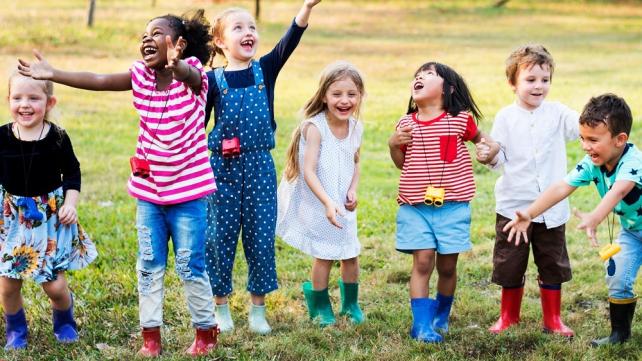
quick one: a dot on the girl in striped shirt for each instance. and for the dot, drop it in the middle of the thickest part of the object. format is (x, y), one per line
(171, 175)
(435, 188)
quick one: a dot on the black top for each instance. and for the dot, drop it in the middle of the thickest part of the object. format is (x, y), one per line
(53, 163)
(271, 64)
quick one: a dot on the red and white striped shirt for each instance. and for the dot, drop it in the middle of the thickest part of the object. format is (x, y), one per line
(171, 138)
(438, 157)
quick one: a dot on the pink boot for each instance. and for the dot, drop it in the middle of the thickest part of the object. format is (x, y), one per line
(204, 342)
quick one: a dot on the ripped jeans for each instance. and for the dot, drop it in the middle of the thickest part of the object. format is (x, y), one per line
(185, 223)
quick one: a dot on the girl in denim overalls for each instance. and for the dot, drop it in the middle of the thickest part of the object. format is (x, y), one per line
(242, 95)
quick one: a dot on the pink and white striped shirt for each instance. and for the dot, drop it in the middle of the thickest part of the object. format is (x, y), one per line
(171, 138)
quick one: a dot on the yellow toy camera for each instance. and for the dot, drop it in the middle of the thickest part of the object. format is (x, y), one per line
(609, 250)
(434, 196)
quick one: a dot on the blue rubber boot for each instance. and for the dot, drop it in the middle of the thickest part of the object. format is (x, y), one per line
(16, 330)
(444, 304)
(64, 325)
(423, 313)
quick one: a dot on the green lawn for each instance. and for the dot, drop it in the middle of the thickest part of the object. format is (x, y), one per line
(597, 47)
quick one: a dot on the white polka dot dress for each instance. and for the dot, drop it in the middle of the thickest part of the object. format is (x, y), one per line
(301, 220)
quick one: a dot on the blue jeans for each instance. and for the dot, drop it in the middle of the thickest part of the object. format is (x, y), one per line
(185, 223)
(627, 264)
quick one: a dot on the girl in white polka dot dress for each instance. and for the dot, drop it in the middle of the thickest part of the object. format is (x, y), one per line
(317, 197)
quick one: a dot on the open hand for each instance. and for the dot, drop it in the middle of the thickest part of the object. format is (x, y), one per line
(351, 201)
(331, 211)
(517, 227)
(174, 51)
(39, 69)
(588, 224)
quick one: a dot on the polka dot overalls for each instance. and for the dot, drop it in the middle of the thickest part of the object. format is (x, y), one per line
(246, 196)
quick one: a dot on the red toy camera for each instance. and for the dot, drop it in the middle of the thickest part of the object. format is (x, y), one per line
(231, 147)
(140, 167)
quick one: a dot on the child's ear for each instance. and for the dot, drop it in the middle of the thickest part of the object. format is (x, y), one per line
(218, 41)
(621, 139)
(51, 102)
(512, 86)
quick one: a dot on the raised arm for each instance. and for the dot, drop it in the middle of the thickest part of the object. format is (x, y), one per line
(304, 14)
(181, 70)
(41, 69)
(551, 196)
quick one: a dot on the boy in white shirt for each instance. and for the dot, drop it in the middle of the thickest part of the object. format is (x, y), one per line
(533, 135)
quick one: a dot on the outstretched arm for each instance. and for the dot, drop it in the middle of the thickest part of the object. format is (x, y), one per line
(551, 196)
(589, 221)
(42, 70)
(304, 14)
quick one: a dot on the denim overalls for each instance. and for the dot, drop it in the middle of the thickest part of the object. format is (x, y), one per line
(246, 195)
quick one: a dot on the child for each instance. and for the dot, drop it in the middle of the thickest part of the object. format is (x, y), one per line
(318, 193)
(532, 133)
(242, 96)
(40, 236)
(435, 188)
(171, 175)
(615, 167)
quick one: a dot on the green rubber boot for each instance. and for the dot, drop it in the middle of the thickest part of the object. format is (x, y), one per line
(319, 305)
(350, 302)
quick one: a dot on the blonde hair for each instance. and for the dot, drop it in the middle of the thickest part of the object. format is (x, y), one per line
(528, 55)
(332, 73)
(218, 27)
(46, 85)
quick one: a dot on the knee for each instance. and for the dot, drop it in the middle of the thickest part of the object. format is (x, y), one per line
(447, 271)
(423, 265)
(9, 290)
(184, 264)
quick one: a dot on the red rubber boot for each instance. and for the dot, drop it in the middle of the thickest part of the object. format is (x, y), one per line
(204, 342)
(551, 305)
(151, 342)
(509, 313)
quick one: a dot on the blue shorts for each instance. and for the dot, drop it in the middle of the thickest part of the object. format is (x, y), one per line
(445, 229)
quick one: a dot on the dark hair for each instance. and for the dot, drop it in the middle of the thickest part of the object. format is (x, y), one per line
(608, 109)
(456, 97)
(195, 29)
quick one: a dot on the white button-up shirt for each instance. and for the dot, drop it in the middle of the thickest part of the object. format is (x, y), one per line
(532, 157)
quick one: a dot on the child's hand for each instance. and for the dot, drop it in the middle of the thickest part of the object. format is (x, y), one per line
(310, 3)
(174, 51)
(589, 224)
(517, 227)
(351, 201)
(482, 149)
(331, 212)
(402, 136)
(39, 69)
(67, 214)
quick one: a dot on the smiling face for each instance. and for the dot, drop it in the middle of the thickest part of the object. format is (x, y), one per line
(28, 101)
(342, 99)
(532, 85)
(603, 147)
(240, 38)
(153, 47)
(427, 87)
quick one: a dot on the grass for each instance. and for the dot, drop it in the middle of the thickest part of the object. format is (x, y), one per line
(596, 45)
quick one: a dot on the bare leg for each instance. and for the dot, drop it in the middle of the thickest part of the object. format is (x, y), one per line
(423, 263)
(321, 273)
(58, 292)
(350, 270)
(447, 271)
(10, 295)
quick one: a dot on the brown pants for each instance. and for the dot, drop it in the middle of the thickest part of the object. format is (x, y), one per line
(549, 252)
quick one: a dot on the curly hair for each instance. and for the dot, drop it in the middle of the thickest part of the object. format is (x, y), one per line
(195, 29)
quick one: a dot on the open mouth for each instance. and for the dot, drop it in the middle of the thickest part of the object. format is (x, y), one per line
(247, 44)
(149, 51)
(344, 109)
(418, 85)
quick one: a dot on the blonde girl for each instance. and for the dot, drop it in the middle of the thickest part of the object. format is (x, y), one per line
(40, 236)
(317, 196)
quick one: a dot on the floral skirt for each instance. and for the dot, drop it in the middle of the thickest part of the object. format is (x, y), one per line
(40, 249)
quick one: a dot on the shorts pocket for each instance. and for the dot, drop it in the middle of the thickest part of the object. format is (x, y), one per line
(448, 148)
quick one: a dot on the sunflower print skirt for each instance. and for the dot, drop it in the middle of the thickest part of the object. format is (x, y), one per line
(41, 249)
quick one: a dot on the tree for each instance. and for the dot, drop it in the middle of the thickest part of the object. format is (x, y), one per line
(257, 9)
(90, 16)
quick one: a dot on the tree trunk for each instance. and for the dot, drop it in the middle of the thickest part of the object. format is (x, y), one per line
(90, 16)
(500, 3)
(257, 9)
